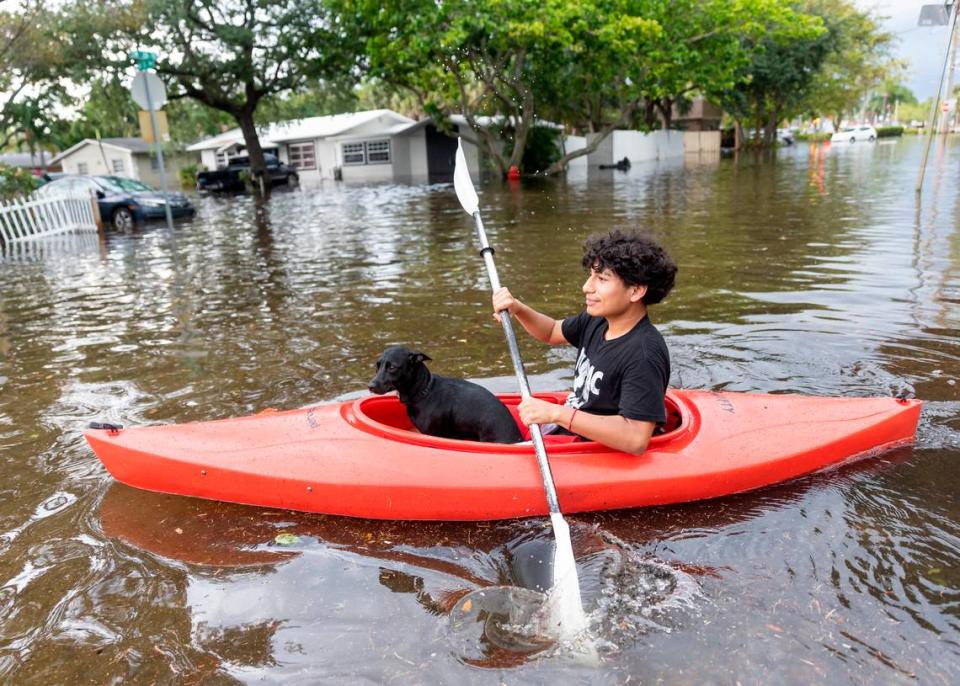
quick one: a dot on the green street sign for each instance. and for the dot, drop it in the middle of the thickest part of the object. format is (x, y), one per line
(145, 59)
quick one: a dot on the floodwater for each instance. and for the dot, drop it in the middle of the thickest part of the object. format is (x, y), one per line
(812, 270)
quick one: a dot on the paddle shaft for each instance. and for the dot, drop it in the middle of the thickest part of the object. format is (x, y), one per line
(518, 369)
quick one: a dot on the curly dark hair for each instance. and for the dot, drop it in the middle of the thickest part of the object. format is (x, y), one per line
(636, 258)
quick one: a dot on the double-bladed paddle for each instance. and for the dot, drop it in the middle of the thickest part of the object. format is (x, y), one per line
(567, 609)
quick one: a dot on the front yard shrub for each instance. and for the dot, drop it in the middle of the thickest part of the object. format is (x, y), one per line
(188, 175)
(16, 182)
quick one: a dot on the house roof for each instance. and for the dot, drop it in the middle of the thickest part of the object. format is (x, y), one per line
(335, 125)
(25, 159)
(134, 145)
(225, 139)
(307, 128)
(459, 120)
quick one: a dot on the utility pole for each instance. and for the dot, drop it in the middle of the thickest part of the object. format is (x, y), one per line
(952, 22)
(948, 114)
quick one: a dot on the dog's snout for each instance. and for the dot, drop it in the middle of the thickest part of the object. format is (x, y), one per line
(379, 385)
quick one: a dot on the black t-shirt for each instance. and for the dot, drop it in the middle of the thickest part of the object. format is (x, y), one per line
(626, 376)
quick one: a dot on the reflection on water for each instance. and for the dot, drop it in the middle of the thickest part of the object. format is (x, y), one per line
(811, 270)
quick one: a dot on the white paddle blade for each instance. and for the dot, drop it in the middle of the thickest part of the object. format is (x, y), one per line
(566, 608)
(462, 183)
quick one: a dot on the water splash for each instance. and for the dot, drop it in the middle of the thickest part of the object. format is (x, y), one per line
(625, 596)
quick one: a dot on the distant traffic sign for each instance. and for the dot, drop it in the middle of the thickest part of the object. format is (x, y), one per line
(145, 59)
(934, 15)
(143, 82)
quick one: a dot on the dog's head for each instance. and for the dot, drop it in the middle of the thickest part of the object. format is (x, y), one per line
(397, 369)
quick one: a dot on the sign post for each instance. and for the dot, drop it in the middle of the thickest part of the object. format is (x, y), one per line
(149, 92)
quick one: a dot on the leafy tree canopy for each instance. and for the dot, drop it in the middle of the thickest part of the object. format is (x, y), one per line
(823, 73)
(229, 55)
(591, 65)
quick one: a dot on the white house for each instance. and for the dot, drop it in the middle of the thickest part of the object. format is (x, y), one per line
(358, 146)
(215, 151)
(130, 157)
(370, 146)
(37, 162)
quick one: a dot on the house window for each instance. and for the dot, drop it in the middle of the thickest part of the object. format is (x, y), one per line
(371, 152)
(378, 152)
(154, 163)
(354, 153)
(83, 168)
(117, 166)
(302, 155)
(221, 160)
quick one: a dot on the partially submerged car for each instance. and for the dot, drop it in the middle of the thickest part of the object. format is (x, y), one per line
(122, 201)
(853, 134)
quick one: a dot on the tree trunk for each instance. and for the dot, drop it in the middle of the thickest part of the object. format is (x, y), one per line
(770, 128)
(737, 134)
(561, 164)
(251, 139)
(665, 105)
(522, 131)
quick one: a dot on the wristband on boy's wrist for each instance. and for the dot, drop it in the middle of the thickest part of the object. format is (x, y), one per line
(570, 423)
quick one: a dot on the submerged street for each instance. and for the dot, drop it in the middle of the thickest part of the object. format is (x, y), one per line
(811, 269)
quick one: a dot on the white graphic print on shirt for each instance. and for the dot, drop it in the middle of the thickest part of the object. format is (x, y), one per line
(586, 383)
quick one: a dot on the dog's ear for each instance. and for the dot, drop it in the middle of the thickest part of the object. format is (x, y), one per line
(417, 356)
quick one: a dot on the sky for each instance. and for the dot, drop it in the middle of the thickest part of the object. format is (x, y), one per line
(923, 47)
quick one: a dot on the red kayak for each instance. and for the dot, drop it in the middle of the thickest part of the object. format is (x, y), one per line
(363, 458)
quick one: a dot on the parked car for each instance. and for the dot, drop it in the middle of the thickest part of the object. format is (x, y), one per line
(854, 134)
(231, 177)
(123, 202)
(785, 137)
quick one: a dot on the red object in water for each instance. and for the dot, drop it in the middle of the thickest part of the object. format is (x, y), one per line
(362, 458)
(514, 173)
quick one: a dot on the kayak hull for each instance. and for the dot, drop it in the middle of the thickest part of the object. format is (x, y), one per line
(363, 459)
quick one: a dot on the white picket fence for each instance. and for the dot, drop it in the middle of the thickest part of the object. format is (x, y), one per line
(32, 218)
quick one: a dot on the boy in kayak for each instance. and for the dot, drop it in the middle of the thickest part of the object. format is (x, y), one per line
(623, 365)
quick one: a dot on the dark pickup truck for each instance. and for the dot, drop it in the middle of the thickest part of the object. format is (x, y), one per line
(231, 177)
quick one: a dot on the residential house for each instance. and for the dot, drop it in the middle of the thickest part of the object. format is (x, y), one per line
(130, 157)
(699, 115)
(370, 146)
(216, 151)
(37, 162)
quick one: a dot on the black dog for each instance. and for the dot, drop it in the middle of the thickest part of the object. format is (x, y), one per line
(438, 406)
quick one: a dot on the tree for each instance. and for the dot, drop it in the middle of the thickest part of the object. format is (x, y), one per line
(821, 72)
(31, 61)
(690, 47)
(592, 65)
(888, 98)
(777, 82)
(229, 55)
(456, 56)
(107, 111)
(857, 62)
(316, 98)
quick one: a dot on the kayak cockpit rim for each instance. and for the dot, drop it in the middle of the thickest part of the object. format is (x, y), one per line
(386, 417)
